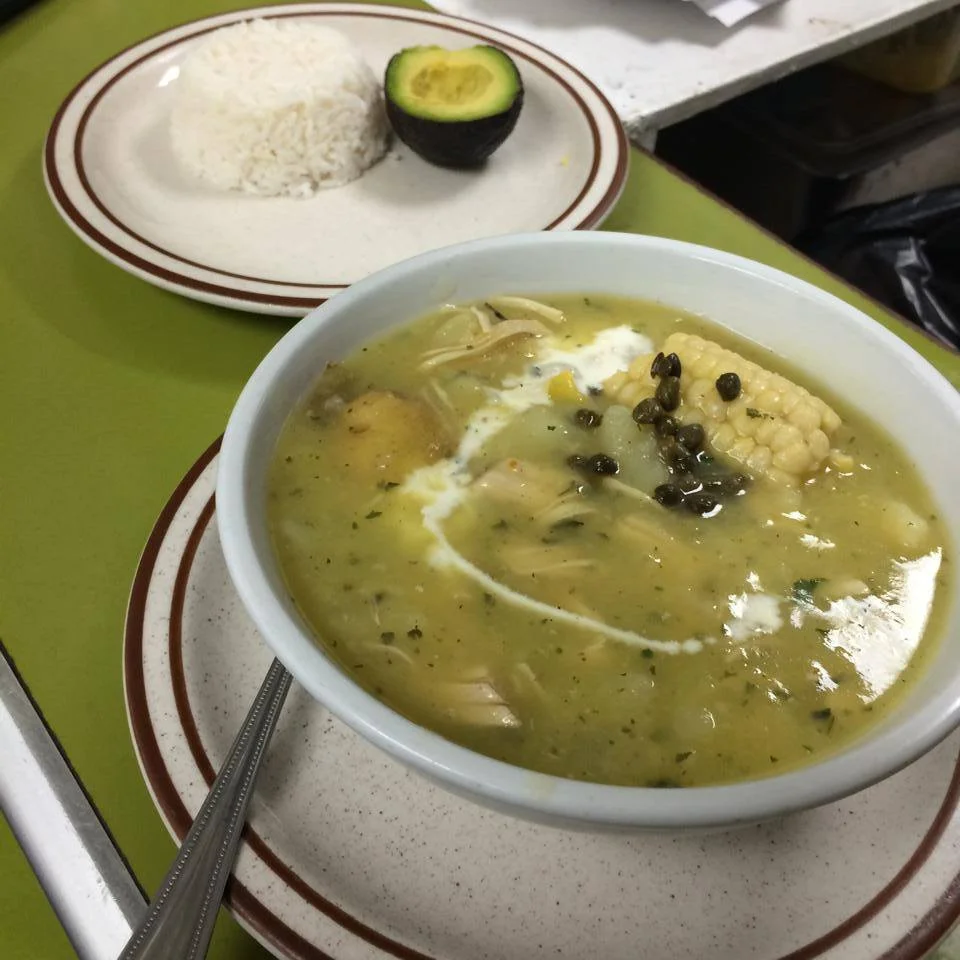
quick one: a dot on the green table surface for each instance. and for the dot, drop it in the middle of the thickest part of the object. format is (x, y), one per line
(109, 390)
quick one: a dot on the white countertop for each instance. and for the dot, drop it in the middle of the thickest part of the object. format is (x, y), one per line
(660, 61)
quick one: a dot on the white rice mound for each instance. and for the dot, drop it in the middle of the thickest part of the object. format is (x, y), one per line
(277, 108)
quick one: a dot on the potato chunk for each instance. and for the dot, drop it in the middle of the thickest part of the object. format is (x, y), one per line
(385, 436)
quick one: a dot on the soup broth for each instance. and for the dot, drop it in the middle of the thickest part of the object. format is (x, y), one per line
(481, 533)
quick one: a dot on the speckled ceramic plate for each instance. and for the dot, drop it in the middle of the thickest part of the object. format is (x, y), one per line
(352, 857)
(112, 176)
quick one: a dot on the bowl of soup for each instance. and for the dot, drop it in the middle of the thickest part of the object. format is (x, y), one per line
(605, 531)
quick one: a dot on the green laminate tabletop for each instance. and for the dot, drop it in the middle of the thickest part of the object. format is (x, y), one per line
(109, 390)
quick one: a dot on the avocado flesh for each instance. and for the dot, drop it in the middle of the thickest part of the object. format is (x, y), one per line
(453, 107)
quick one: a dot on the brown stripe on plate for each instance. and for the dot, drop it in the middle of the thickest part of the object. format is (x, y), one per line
(915, 944)
(600, 209)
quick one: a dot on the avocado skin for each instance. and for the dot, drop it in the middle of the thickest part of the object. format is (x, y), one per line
(459, 144)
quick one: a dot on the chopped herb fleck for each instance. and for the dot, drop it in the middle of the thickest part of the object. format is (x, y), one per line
(387, 637)
(646, 653)
(373, 514)
(680, 757)
(414, 633)
(823, 714)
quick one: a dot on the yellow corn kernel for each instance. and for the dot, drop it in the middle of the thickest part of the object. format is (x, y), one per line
(698, 391)
(793, 459)
(787, 436)
(842, 461)
(742, 448)
(760, 458)
(775, 427)
(819, 445)
(633, 393)
(722, 437)
(562, 388)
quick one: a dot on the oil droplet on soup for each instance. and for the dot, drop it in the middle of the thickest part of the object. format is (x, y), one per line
(595, 538)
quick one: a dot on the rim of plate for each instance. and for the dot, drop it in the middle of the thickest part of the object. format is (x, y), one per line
(88, 216)
(259, 920)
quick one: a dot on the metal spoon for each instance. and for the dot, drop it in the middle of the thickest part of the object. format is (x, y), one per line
(180, 918)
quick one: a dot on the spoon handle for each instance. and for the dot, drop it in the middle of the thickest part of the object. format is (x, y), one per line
(180, 918)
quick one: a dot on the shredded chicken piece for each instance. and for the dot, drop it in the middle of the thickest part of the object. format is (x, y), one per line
(440, 403)
(482, 319)
(476, 702)
(570, 506)
(388, 650)
(550, 314)
(545, 560)
(518, 482)
(618, 486)
(482, 345)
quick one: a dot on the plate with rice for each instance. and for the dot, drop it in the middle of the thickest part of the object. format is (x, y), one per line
(245, 159)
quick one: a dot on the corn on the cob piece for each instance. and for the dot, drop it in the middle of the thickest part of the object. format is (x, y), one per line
(775, 427)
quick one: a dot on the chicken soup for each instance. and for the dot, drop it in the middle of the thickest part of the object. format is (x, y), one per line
(600, 539)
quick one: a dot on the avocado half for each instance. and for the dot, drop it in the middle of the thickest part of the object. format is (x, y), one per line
(453, 107)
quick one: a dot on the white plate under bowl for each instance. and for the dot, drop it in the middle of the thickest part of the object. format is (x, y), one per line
(111, 173)
(350, 856)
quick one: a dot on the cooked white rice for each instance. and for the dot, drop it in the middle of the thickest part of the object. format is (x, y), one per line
(277, 107)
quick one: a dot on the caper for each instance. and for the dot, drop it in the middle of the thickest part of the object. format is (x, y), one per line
(668, 494)
(648, 411)
(602, 465)
(701, 503)
(729, 485)
(665, 366)
(688, 483)
(588, 419)
(666, 426)
(691, 436)
(678, 458)
(668, 393)
(728, 386)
